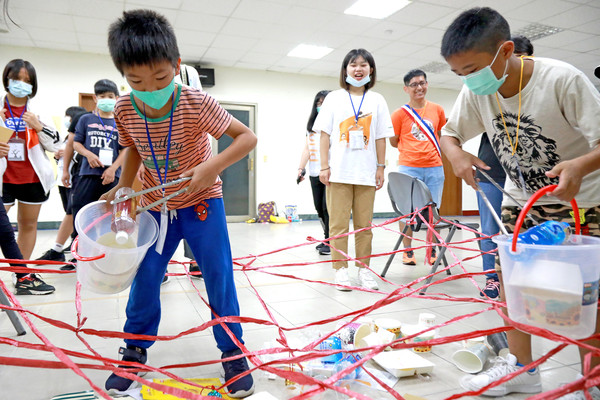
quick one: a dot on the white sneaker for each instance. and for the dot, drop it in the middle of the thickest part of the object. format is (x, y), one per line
(365, 277)
(579, 395)
(342, 279)
(526, 382)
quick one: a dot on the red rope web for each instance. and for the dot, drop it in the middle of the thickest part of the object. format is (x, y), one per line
(282, 357)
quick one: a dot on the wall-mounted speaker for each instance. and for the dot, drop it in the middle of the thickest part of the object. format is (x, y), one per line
(207, 76)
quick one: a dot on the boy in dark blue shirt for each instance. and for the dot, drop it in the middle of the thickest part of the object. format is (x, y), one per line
(97, 140)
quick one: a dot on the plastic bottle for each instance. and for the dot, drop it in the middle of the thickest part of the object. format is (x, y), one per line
(123, 218)
(549, 233)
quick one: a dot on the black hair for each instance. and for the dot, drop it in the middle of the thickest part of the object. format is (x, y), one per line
(12, 69)
(74, 110)
(480, 29)
(75, 120)
(412, 73)
(142, 37)
(105, 86)
(313, 112)
(522, 45)
(352, 56)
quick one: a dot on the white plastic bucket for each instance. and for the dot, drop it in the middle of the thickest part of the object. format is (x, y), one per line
(552, 287)
(104, 268)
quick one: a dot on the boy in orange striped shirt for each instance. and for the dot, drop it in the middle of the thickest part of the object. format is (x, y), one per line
(166, 126)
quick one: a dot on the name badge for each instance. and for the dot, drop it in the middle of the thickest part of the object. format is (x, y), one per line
(17, 150)
(106, 157)
(357, 141)
(162, 231)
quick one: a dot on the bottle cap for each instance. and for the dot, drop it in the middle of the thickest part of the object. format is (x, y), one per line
(121, 237)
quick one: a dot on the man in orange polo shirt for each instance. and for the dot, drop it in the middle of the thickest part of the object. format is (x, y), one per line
(417, 127)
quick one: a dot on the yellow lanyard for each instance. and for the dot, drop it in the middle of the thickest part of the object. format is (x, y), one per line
(514, 148)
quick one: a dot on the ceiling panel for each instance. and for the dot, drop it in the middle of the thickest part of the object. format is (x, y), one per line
(258, 34)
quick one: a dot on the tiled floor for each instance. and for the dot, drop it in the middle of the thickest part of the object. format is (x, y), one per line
(291, 302)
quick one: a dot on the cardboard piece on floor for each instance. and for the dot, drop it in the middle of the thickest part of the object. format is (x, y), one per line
(149, 393)
(5, 134)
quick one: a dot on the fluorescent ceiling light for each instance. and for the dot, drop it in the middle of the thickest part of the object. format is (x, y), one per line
(536, 31)
(310, 51)
(378, 9)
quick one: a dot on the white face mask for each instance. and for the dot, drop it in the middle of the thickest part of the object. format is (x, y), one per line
(67, 122)
(356, 83)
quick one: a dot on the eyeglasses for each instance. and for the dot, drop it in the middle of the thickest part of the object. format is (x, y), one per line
(415, 84)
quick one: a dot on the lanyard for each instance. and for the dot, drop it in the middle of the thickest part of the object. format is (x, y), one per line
(168, 143)
(514, 148)
(18, 120)
(357, 113)
(114, 126)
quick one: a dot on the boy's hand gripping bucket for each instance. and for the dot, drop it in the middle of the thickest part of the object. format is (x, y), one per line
(554, 287)
(104, 266)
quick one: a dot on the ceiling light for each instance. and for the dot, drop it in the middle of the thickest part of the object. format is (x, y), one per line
(537, 31)
(378, 9)
(310, 51)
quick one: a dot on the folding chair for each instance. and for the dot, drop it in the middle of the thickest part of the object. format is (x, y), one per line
(12, 315)
(409, 194)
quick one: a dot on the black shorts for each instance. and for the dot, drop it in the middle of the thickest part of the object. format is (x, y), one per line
(28, 193)
(65, 197)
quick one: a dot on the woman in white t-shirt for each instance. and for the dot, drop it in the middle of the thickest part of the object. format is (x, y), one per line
(354, 123)
(310, 156)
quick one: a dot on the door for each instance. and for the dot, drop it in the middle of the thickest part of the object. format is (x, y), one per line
(452, 194)
(239, 179)
(86, 100)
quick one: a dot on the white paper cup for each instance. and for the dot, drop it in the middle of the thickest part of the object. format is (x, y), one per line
(376, 339)
(352, 332)
(472, 359)
(389, 324)
(426, 319)
(473, 341)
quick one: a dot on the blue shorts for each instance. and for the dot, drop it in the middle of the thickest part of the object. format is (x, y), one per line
(432, 176)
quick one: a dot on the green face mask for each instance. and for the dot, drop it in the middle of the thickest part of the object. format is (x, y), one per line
(106, 105)
(158, 98)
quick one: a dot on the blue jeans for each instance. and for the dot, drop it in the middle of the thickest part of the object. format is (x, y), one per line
(432, 176)
(204, 228)
(488, 223)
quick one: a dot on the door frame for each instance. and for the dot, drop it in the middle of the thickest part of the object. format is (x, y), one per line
(251, 108)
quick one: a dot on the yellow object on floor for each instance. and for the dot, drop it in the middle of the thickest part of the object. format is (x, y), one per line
(279, 220)
(208, 384)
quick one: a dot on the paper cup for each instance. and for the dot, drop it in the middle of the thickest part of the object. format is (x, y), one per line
(376, 339)
(389, 324)
(427, 320)
(352, 332)
(472, 359)
(411, 330)
(499, 343)
(473, 341)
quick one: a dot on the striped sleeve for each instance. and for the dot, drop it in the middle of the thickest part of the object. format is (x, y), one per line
(125, 139)
(214, 119)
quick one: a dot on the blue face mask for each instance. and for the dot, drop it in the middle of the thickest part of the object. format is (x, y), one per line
(106, 105)
(19, 89)
(158, 98)
(356, 83)
(484, 81)
(318, 109)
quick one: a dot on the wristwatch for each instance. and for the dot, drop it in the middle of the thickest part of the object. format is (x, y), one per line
(381, 165)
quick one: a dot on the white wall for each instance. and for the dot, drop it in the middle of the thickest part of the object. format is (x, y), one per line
(283, 105)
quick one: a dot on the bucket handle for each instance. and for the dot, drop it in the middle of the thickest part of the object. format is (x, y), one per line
(536, 196)
(81, 258)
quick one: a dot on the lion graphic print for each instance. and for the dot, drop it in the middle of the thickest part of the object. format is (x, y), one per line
(535, 152)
